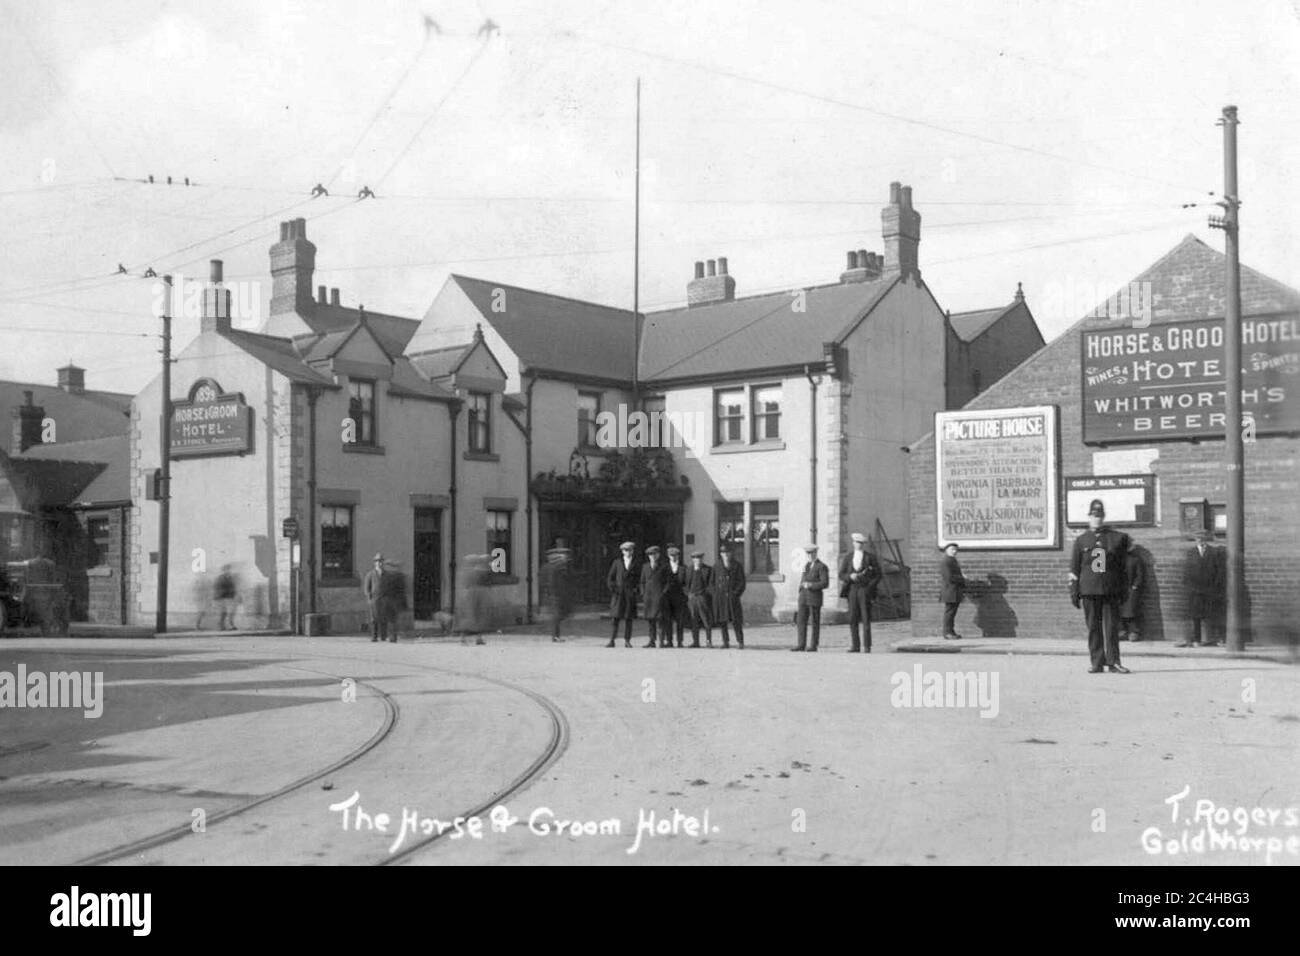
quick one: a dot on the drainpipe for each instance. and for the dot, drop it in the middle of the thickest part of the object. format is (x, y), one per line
(812, 456)
(528, 492)
(312, 395)
(453, 412)
(121, 573)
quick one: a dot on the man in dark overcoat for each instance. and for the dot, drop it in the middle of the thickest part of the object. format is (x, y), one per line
(623, 580)
(654, 592)
(728, 586)
(1203, 580)
(859, 574)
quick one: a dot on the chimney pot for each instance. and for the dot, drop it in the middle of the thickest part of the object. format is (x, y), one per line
(321, 297)
(851, 260)
(894, 189)
(713, 267)
(27, 398)
(907, 197)
(334, 296)
(722, 265)
(699, 269)
(284, 231)
(214, 270)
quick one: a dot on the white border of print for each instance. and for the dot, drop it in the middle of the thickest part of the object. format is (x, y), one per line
(1051, 415)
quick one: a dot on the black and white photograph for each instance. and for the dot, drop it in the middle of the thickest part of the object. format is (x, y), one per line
(388, 384)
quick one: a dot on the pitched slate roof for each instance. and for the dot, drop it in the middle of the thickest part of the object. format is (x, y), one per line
(392, 331)
(38, 483)
(279, 354)
(971, 325)
(76, 417)
(112, 483)
(555, 333)
(439, 363)
(758, 332)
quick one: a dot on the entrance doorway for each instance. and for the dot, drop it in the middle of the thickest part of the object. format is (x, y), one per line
(426, 595)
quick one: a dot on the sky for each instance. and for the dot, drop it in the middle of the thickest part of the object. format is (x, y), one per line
(1050, 144)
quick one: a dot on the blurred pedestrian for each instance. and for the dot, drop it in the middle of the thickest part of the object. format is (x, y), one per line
(859, 574)
(654, 587)
(1203, 579)
(952, 588)
(1097, 583)
(558, 587)
(699, 599)
(1130, 609)
(226, 594)
(728, 586)
(474, 584)
(623, 579)
(812, 582)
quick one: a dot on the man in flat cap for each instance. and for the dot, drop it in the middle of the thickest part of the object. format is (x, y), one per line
(728, 586)
(952, 587)
(859, 577)
(654, 588)
(380, 586)
(699, 598)
(623, 580)
(678, 610)
(1097, 582)
(1203, 579)
(814, 580)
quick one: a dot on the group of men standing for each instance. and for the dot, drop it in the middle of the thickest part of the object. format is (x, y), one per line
(859, 577)
(674, 595)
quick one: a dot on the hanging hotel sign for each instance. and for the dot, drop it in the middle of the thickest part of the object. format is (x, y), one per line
(211, 422)
(996, 476)
(1167, 382)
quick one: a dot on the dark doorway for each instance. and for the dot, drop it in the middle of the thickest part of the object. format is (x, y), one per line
(594, 537)
(427, 586)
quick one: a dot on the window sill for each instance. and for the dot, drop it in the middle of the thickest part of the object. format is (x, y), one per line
(481, 456)
(770, 578)
(359, 449)
(739, 447)
(352, 582)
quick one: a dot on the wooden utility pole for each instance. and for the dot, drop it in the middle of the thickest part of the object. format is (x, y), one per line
(636, 259)
(1234, 451)
(165, 450)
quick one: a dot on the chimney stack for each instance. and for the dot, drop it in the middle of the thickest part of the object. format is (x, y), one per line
(72, 379)
(293, 260)
(863, 266)
(28, 418)
(713, 285)
(901, 228)
(216, 301)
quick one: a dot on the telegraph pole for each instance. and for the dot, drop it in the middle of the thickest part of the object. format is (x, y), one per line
(1234, 451)
(165, 471)
(636, 259)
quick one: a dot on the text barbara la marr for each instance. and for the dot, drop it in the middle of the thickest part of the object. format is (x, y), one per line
(542, 822)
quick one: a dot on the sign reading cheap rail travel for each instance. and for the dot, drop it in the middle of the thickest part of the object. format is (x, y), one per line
(996, 477)
(211, 422)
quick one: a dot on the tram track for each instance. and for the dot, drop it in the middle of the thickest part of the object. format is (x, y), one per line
(555, 746)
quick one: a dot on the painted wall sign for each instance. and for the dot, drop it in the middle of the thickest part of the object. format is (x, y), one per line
(1167, 382)
(1129, 499)
(996, 476)
(211, 422)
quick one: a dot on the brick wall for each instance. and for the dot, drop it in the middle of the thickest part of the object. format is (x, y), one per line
(1028, 594)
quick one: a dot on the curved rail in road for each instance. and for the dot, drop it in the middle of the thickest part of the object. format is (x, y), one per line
(557, 743)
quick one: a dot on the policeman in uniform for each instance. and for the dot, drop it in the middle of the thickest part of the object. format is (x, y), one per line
(859, 576)
(814, 580)
(1097, 583)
